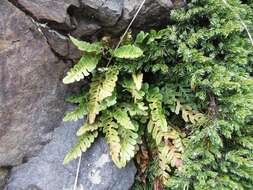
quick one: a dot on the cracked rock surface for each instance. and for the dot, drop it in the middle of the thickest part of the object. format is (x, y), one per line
(31, 91)
(46, 171)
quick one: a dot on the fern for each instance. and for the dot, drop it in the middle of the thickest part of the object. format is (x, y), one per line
(86, 46)
(82, 69)
(79, 113)
(123, 119)
(189, 115)
(128, 52)
(101, 87)
(128, 146)
(113, 139)
(184, 92)
(83, 144)
(86, 128)
(157, 116)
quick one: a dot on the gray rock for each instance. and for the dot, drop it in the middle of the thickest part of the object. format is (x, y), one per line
(49, 10)
(154, 13)
(86, 27)
(3, 177)
(107, 12)
(31, 91)
(46, 171)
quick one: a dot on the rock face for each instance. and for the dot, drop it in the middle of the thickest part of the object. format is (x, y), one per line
(106, 11)
(31, 91)
(49, 11)
(46, 171)
(3, 177)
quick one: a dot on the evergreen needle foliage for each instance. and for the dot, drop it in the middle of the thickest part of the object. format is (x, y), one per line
(186, 89)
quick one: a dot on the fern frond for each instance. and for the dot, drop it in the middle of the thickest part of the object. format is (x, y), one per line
(79, 113)
(75, 99)
(109, 83)
(138, 80)
(93, 98)
(169, 156)
(164, 167)
(83, 144)
(157, 113)
(113, 140)
(128, 52)
(123, 119)
(82, 69)
(88, 128)
(130, 86)
(101, 87)
(86, 46)
(188, 114)
(128, 146)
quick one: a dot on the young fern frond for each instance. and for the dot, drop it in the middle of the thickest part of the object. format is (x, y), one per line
(84, 142)
(86, 46)
(88, 128)
(156, 110)
(138, 80)
(131, 87)
(128, 52)
(101, 87)
(122, 118)
(129, 140)
(113, 140)
(109, 83)
(82, 69)
(188, 114)
(79, 113)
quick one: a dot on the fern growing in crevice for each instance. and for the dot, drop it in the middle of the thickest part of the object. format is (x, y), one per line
(186, 90)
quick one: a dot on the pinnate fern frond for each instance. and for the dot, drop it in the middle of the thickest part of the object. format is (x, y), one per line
(86, 46)
(157, 112)
(128, 146)
(83, 144)
(93, 99)
(82, 69)
(128, 52)
(169, 155)
(79, 112)
(113, 140)
(101, 87)
(88, 128)
(188, 114)
(109, 83)
(122, 118)
(138, 80)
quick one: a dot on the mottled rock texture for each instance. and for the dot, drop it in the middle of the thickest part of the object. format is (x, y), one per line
(31, 91)
(3, 177)
(46, 171)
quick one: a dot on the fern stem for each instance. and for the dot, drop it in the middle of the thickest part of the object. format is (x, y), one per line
(77, 172)
(240, 19)
(127, 29)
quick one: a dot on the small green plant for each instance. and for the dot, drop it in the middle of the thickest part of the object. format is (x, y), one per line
(185, 90)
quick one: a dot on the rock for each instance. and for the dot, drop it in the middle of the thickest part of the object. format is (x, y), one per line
(49, 11)
(46, 171)
(31, 90)
(86, 28)
(58, 42)
(153, 14)
(107, 12)
(3, 177)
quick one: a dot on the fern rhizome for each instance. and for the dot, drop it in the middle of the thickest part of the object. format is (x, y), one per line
(186, 91)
